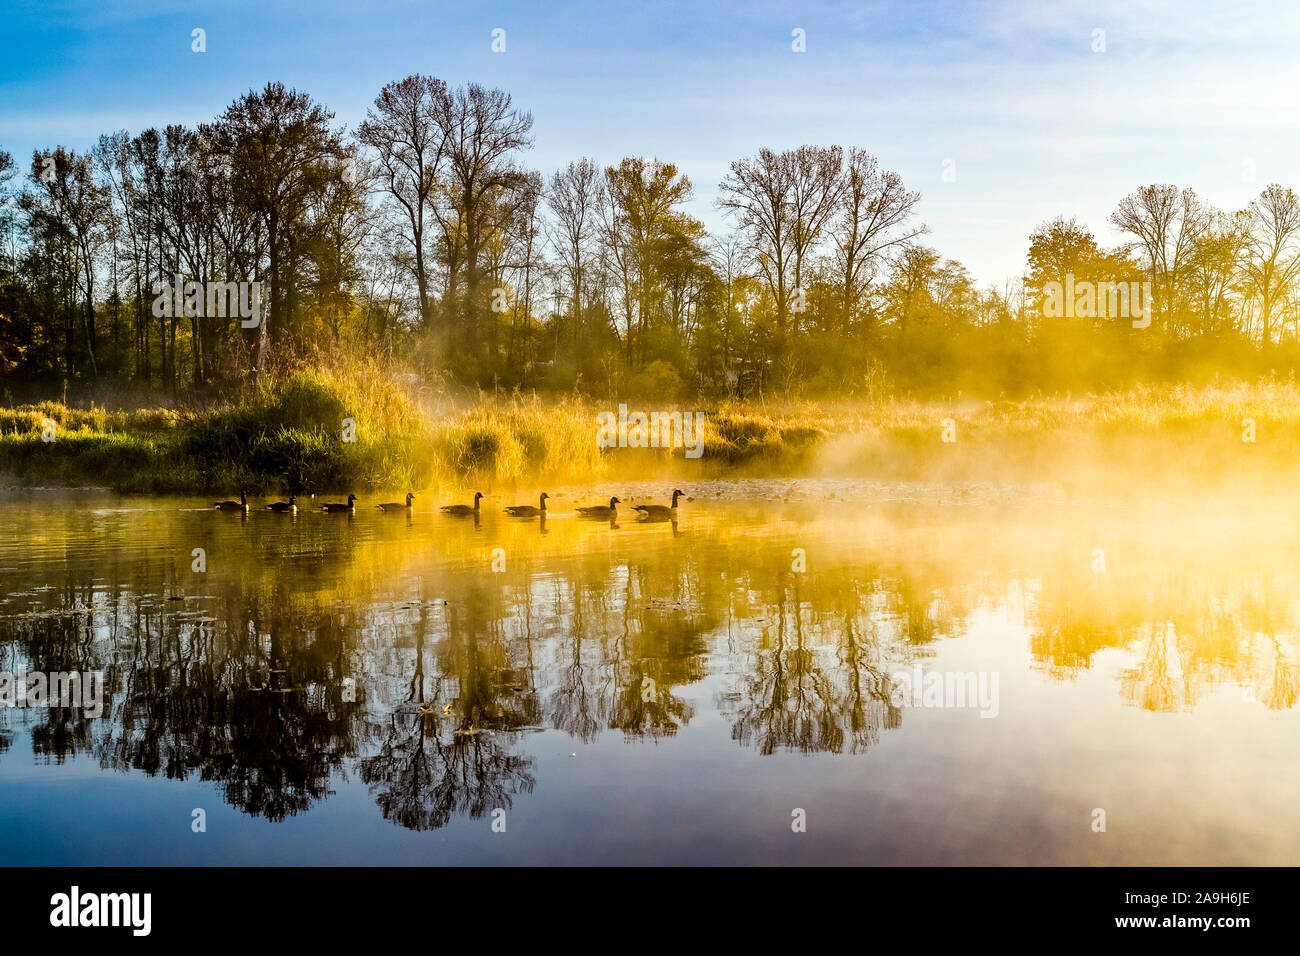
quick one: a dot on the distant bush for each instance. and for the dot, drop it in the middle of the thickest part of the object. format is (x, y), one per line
(657, 382)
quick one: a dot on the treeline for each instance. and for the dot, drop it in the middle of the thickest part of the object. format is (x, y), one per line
(422, 237)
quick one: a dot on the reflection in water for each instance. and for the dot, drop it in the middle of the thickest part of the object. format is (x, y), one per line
(429, 765)
(467, 639)
(816, 680)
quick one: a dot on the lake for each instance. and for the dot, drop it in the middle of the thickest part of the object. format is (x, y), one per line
(791, 672)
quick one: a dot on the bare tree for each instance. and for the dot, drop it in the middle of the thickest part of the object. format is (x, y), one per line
(872, 220)
(574, 198)
(757, 193)
(1274, 260)
(815, 191)
(1165, 223)
(782, 202)
(1218, 260)
(403, 129)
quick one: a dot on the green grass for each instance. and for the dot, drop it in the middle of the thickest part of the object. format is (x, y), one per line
(290, 435)
(312, 432)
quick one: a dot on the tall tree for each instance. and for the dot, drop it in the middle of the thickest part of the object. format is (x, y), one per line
(482, 130)
(402, 127)
(642, 225)
(71, 205)
(574, 199)
(873, 219)
(1215, 276)
(816, 187)
(1274, 260)
(1164, 222)
(281, 154)
(11, 340)
(782, 202)
(8, 171)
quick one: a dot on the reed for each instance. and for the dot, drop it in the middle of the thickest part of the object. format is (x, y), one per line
(356, 428)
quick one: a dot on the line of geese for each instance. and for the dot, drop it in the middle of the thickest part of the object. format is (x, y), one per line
(603, 512)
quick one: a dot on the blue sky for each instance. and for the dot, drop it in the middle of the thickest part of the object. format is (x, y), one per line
(1195, 93)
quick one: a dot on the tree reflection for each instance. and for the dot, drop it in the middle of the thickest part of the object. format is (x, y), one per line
(244, 677)
(816, 680)
(433, 763)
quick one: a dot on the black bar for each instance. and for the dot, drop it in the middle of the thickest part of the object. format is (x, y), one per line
(976, 905)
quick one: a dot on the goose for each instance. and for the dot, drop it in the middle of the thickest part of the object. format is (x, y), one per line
(335, 508)
(528, 511)
(392, 507)
(463, 511)
(600, 511)
(289, 507)
(659, 512)
(240, 505)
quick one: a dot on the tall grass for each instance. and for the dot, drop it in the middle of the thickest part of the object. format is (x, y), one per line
(290, 434)
(350, 427)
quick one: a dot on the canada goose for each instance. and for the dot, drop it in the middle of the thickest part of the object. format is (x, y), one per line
(659, 512)
(393, 507)
(334, 508)
(528, 511)
(600, 511)
(289, 507)
(240, 505)
(463, 511)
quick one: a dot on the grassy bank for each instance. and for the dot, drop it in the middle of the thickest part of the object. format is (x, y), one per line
(332, 432)
(312, 432)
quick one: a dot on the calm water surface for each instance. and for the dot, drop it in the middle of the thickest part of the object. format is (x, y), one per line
(657, 693)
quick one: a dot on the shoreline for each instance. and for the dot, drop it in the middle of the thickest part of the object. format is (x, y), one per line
(1236, 437)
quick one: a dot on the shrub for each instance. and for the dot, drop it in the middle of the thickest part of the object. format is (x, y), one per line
(657, 382)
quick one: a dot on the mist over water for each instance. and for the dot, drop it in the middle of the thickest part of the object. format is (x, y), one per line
(659, 692)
